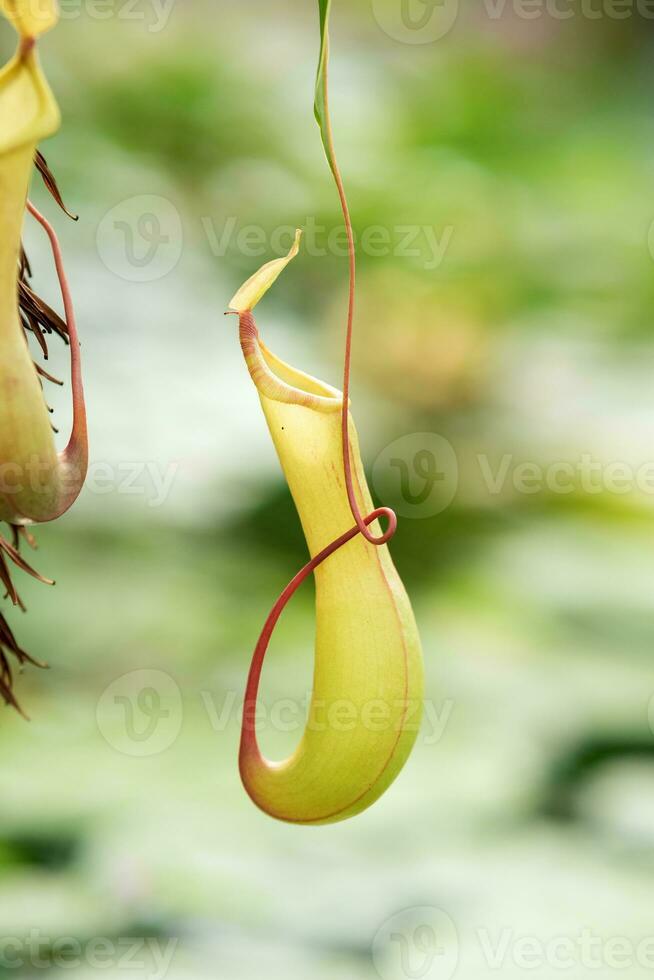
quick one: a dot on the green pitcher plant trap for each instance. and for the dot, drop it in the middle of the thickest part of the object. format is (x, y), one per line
(37, 483)
(367, 647)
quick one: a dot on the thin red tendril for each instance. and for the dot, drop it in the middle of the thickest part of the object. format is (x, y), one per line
(76, 451)
(249, 745)
(345, 417)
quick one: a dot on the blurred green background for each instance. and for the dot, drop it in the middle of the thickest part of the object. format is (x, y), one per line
(501, 179)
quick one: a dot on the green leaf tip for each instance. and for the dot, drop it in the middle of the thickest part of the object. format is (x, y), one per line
(321, 109)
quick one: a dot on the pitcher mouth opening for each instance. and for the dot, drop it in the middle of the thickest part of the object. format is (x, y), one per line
(28, 111)
(279, 381)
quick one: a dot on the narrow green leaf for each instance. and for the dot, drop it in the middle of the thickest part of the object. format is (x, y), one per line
(321, 108)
